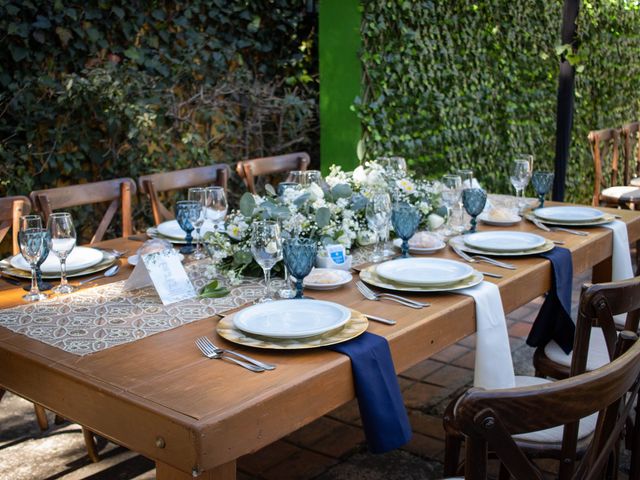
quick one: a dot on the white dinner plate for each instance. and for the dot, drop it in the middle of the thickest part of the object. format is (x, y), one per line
(568, 214)
(500, 241)
(326, 278)
(421, 250)
(133, 259)
(79, 259)
(172, 229)
(368, 275)
(458, 242)
(485, 218)
(291, 318)
(424, 271)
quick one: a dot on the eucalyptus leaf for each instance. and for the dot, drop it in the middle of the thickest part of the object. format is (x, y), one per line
(341, 190)
(302, 199)
(247, 204)
(323, 217)
(270, 190)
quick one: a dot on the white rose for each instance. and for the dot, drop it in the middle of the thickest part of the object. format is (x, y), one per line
(315, 191)
(359, 175)
(434, 221)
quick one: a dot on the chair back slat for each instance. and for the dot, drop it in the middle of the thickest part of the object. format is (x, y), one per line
(154, 184)
(11, 209)
(250, 170)
(605, 148)
(631, 150)
(117, 192)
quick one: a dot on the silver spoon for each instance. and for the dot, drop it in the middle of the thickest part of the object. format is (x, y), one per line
(110, 272)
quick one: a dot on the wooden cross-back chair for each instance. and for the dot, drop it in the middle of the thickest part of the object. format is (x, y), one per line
(154, 184)
(490, 418)
(631, 150)
(11, 209)
(117, 191)
(268, 167)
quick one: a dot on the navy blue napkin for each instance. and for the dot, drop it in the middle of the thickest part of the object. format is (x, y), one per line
(385, 420)
(554, 318)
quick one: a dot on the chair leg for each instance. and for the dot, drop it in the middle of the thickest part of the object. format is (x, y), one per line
(92, 449)
(2, 392)
(58, 420)
(503, 473)
(634, 446)
(452, 445)
(41, 416)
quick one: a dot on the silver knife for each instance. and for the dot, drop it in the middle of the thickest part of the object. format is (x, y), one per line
(380, 319)
(489, 274)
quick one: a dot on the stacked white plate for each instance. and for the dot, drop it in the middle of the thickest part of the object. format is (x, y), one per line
(571, 216)
(80, 258)
(172, 230)
(286, 319)
(504, 241)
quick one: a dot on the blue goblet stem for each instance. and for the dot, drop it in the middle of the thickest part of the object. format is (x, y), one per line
(405, 248)
(541, 198)
(188, 248)
(473, 224)
(299, 288)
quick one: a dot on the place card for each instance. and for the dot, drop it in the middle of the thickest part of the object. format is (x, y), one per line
(165, 272)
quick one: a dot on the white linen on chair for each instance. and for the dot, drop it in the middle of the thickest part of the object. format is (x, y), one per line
(621, 268)
(598, 353)
(494, 365)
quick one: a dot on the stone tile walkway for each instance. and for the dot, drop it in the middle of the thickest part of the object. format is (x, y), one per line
(331, 448)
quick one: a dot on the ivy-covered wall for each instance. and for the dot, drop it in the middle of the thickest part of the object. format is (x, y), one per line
(110, 88)
(460, 83)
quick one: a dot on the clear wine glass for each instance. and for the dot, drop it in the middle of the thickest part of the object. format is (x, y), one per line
(312, 176)
(519, 176)
(378, 213)
(198, 194)
(451, 197)
(217, 206)
(33, 240)
(395, 164)
(266, 248)
(296, 176)
(466, 176)
(62, 240)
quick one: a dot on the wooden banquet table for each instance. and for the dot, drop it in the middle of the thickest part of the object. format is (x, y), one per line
(160, 397)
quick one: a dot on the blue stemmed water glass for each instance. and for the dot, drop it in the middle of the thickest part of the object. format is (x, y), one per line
(542, 182)
(474, 200)
(405, 220)
(187, 214)
(299, 257)
(283, 186)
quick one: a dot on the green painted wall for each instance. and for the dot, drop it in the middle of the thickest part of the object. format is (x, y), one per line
(340, 81)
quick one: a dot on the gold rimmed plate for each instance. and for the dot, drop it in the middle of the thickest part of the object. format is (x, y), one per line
(458, 242)
(108, 259)
(355, 326)
(607, 218)
(369, 275)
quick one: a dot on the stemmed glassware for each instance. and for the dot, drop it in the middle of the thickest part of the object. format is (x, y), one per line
(378, 213)
(474, 200)
(187, 213)
(405, 220)
(451, 196)
(299, 257)
(266, 248)
(312, 176)
(466, 177)
(216, 206)
(542, 182)
(33, 240)
(35, 221)
(296, 176)
(519, 176)
(395, 164)
(62, 240)
(198, 194)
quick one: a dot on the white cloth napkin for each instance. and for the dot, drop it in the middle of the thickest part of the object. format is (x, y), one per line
(621, 268)
(494, 365)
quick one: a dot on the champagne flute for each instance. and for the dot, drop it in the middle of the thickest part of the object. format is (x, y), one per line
(378, 213)
(199, 195)
(451, 196)
(217, 206)
(62, 240)
(266, 248)
(519, 176)
(33, 240)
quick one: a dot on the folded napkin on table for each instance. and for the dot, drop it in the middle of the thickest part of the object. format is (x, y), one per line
(384, 417)
(494, 366)
(554, 318)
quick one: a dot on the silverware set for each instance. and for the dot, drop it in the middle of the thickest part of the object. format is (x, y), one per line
(481, 258)
(371, 295)
(209, 350)
(546, 228)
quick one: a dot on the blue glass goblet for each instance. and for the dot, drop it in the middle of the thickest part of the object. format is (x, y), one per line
(542, 182)
(405, 220)
(187, 213)
(299, 257)
(474, 200)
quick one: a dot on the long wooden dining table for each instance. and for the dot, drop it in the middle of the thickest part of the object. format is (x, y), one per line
(160, 397)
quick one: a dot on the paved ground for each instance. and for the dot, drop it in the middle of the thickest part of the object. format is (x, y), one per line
(330, 448)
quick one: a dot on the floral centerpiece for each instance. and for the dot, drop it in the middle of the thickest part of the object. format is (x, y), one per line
(332, 212)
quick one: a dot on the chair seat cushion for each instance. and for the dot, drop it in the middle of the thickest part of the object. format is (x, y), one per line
(617, 192)
(635, 182)
(554, 434)
(598, 355)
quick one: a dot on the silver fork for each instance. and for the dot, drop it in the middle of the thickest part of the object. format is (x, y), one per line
(257, 363)
(371, 295)
(482, 258)
(209, 352)
(569, 230)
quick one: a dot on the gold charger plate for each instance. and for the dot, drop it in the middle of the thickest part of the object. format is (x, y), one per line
(458, 242)
(608, 218)
(108, 259)
(354, 327)
(369, 275)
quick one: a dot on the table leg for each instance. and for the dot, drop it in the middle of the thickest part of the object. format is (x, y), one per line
(602, 271)
(223, 472)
